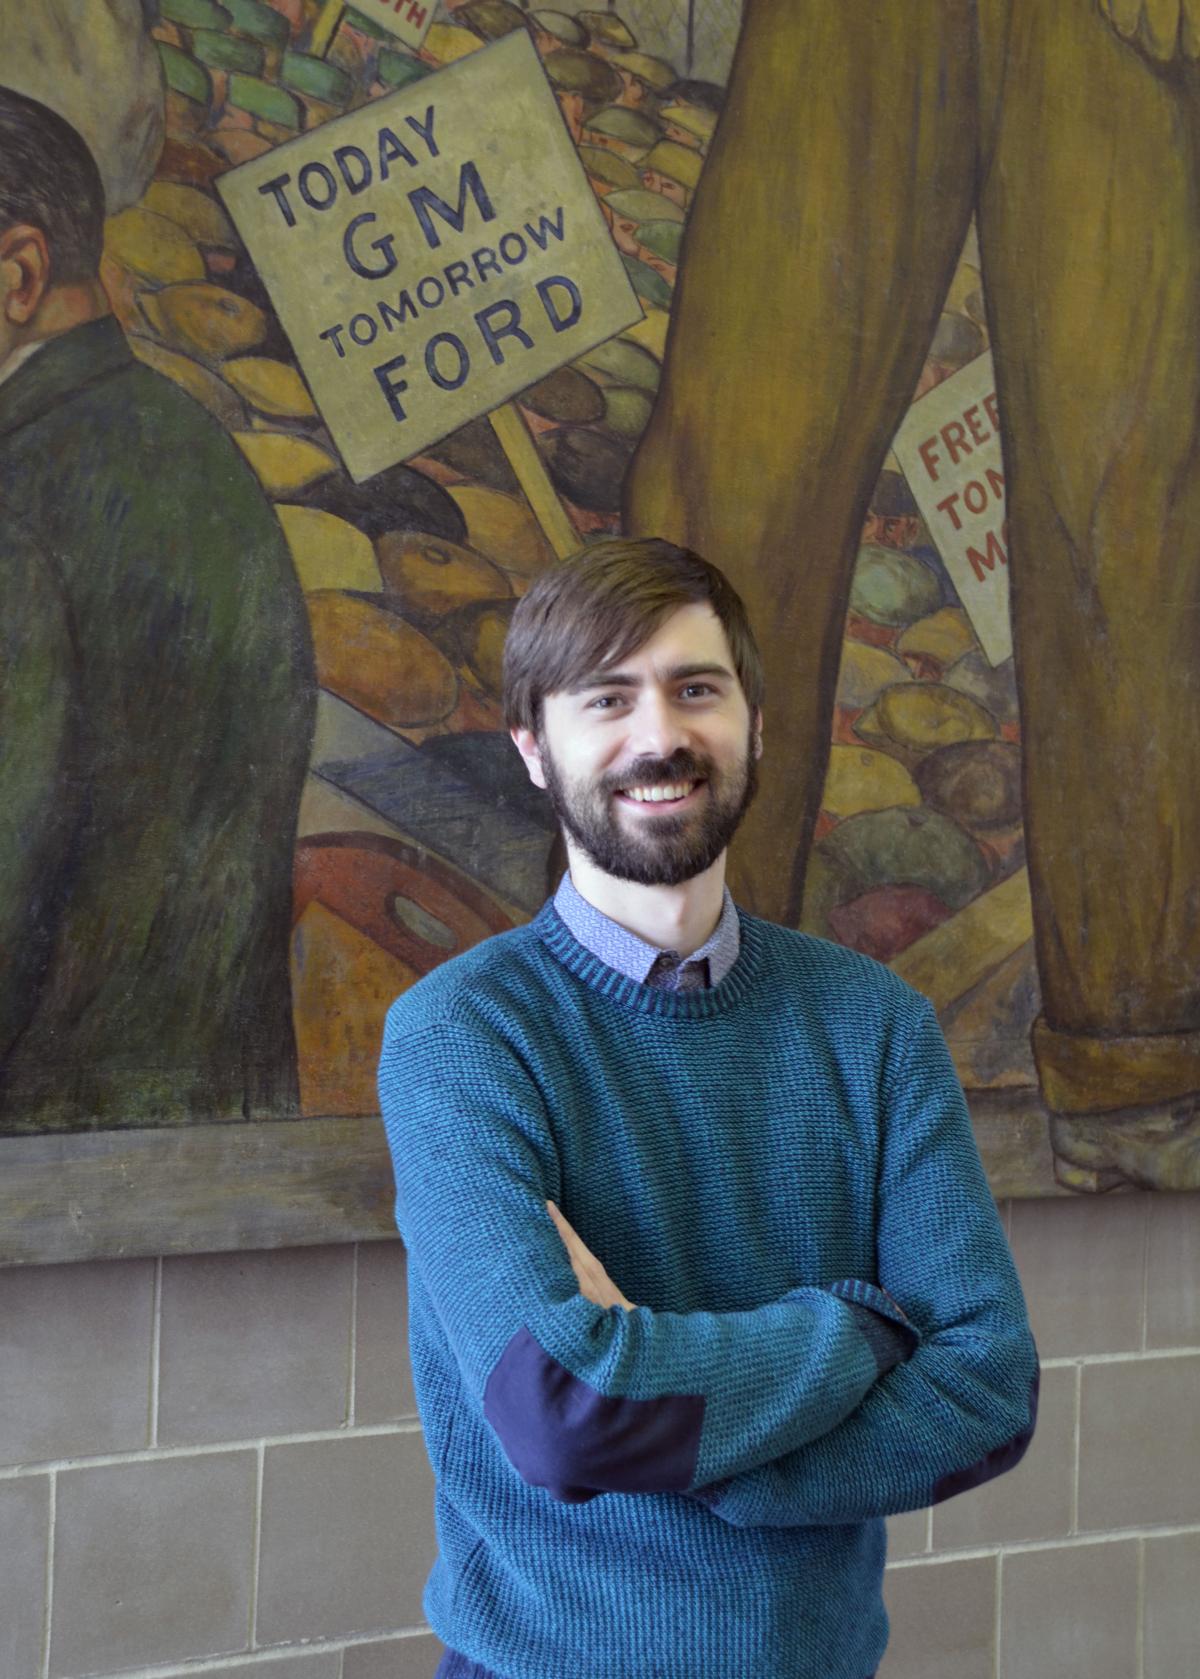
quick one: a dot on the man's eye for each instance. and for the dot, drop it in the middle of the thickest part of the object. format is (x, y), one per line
(700, 688)
(604, 702)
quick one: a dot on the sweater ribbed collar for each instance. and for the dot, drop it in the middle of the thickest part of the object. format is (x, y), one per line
(648, 999)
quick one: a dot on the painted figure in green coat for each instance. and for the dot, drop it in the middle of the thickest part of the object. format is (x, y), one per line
(157, 699)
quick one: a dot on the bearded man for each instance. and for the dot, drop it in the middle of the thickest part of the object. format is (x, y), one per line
(761, 1132)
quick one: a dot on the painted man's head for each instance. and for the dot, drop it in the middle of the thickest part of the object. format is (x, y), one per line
(51, 221)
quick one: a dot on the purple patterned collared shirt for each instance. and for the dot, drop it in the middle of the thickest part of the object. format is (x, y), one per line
(646, 963)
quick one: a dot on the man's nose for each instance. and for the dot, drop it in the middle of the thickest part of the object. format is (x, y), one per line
(658, 729)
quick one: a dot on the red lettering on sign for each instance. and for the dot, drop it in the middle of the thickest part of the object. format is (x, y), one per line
(993, 553)
(928, 454)
(971, 416)
(416, 14)
(975, 496)
(954, 436)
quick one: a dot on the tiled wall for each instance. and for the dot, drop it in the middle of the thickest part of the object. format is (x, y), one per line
(213, 1466)
(1085, 1560)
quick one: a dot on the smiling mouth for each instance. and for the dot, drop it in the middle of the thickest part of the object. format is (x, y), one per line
(671, 794)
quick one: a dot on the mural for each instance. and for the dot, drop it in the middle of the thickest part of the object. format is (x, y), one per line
(271, 775)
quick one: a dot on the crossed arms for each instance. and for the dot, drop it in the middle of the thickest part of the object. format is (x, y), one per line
(788, 1414)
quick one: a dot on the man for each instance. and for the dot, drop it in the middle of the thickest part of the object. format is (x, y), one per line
(761, 1134)
(156, 703)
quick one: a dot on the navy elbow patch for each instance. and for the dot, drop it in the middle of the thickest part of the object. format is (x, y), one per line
(561, 1434)
(997, 1462)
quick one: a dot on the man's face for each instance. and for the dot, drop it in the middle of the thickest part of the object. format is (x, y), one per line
(889, 532)
(670, 719)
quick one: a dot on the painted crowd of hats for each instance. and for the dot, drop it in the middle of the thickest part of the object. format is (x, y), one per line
(419, 833)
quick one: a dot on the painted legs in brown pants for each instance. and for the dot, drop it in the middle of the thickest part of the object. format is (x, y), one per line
(856, 142)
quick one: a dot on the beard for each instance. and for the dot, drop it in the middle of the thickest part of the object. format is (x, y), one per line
(673, 848)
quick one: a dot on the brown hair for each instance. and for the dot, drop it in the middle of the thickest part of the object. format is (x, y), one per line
(603, 603)
(49, 180)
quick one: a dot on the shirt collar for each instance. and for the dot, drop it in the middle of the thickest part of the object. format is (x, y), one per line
(19, 358)
(618, 948)
(62, 365)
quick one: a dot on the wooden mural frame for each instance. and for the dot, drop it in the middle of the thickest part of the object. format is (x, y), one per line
(303, 1182)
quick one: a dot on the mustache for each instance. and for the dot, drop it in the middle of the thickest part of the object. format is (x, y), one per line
(659, 772)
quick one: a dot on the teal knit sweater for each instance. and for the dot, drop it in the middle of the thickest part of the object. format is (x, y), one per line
(694, 1489)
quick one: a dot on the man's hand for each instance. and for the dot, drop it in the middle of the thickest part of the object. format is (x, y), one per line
(1161, 28)
(595, 1284)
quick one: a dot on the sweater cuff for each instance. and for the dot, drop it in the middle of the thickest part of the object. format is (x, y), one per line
(889, 1333)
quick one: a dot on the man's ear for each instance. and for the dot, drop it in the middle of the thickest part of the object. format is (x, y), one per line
(526, 743)
(758, 746)
(24, 272)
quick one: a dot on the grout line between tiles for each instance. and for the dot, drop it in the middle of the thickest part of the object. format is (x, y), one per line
(155, 1349)
(352, 1395)
(1077, 1433)
(51, 1525)
(1135, 1357)
(1019, 1547)
(252, 1662)
(1141, 1610)
(1146, 1280)
(996, 1657)
(256, 1553)
(207, 1448)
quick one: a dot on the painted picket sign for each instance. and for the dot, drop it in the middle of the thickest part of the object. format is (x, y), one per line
(433, 253)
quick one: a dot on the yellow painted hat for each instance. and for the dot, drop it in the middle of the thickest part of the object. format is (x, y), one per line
(655, 72)
(616, 172)
(608, 28)
(448, 42)
(693, 119)
(676, 162)
(628, 128)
